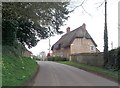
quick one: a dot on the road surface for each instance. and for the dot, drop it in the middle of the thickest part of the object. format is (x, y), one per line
(55, 74)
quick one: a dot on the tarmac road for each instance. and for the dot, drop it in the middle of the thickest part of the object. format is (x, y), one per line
(55, 74)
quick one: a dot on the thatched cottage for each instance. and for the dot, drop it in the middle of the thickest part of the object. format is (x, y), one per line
(74, 42)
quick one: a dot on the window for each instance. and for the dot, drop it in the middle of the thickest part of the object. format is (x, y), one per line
(92, 48)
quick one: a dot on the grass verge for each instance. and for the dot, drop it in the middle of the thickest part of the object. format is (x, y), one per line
(16, 71)
(98, 70)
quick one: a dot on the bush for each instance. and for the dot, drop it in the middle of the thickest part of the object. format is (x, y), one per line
(57, 58)
(118, 56)
(114, 58)
(50, 58)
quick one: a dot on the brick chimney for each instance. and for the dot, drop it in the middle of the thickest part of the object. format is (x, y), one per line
(84, 26)
(67, 29)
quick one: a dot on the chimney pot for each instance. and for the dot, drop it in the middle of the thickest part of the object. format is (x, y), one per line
(84, 26)
(68, 30)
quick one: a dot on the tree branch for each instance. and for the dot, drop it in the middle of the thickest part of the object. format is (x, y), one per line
(101, 4)
(78, 5)
(86, 11)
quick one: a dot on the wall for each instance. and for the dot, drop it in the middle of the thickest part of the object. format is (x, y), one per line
(65, 52)
(82, 45)
(95, 59)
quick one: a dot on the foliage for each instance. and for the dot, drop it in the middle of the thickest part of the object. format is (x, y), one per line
(28, 22)
(57, 58)
(17, 71)
(90, 68)
(118, 54)
(16, 50)
(105, 38)
(35, 58)
(8, 32)
(114, 59)
(105, 47)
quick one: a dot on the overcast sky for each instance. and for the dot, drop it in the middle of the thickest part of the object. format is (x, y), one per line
(94, 20)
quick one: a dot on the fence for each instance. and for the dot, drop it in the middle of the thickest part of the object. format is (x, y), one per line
(95, 59)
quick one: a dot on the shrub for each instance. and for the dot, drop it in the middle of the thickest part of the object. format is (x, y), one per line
(50, 58)
(57, 58)
(118, 56)
(114, 58)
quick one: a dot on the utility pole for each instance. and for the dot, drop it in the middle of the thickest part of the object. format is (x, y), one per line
(49, 44)
(105, 37)
(111, 45)
(49, 39)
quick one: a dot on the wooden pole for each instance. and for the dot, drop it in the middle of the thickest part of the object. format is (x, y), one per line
(105, 37)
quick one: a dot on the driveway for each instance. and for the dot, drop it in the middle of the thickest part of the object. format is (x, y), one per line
(55, 74)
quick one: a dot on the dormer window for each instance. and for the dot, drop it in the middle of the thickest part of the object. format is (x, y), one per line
(92, 48)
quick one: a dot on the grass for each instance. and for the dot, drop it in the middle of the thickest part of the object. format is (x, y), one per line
(100, 70)
(16, 71)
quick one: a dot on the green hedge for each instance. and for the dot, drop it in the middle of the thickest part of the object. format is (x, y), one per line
(57, 58)
(114, 59)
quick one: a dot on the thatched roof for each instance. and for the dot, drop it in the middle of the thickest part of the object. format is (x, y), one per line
(68, 38)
